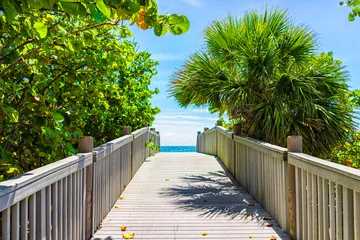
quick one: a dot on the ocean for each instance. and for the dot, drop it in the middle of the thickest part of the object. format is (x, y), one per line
(177, 149)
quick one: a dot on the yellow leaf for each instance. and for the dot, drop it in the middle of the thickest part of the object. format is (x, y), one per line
(252, 237)
(167, 179)
(204, 233)
(272, 237)
(117, 206)
(128, 235)
(121, 198)
(123, 228)
(248, 214)
(266, 218)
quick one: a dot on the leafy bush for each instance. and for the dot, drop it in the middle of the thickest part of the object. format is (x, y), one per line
(63, 77)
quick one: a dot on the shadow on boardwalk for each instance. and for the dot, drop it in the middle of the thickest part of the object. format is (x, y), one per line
(215, 195)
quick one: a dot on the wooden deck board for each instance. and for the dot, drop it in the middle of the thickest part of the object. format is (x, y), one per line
(183, 195)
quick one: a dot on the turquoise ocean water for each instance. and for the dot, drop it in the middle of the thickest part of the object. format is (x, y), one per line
(177, 149)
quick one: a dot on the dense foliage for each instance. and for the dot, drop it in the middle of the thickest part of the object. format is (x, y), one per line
(263, 70)
(63, 76)
(355, 8)
(142, 12)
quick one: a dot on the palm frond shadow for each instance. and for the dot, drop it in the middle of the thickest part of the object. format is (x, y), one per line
(214, 195)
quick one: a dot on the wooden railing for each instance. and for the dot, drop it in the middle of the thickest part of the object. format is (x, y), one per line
(259, 167)
(68, 199)
(310, 198)
(328, 199)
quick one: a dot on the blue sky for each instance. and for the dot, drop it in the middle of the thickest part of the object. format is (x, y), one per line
(178, 126)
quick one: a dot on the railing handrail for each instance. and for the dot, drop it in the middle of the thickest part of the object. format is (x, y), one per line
(260, 145)
(140, 132)
(346, 176)
(224, 131)
(18, 188)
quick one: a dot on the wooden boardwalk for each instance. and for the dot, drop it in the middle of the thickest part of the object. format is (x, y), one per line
(186, 196)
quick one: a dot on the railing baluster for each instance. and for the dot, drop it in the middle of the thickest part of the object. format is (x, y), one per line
(48, 212)
(60, 209)
(326, 208)
(314, 194)
(24, 206)
(5, 224)
(348, 204)
(32, 217)
(15, 221)
(357, 215)
(332, 211)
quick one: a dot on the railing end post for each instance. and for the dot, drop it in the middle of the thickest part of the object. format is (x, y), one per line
(86, 144)
(127, 130)
(294, 144)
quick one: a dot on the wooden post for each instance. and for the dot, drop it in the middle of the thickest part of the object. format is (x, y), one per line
(127, 130)
(219, 123)
(294, 144)
(205, 129)
(86, 145)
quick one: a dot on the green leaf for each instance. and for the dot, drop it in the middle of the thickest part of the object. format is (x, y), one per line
(41, 29)
(131, 7)
(9, 10)
(11, 113)
(48, 4)
(95, 13)
(160, 30)
(351, 17)
(58, 117)
(179, 24)
(103, 8)
(74, 8)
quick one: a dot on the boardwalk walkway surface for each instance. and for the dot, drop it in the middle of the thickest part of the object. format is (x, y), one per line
(186, 196)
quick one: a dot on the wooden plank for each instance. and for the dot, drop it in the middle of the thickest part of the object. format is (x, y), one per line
(48, 212)
(357, 215)
(24, 219)
(339, 214)
(174, 209)
(348, 213)
(54, 211)
(332, 210)
(304, 206)
(320, 208)
(60, 210)
(32, 217)
(314, 210)
(15, 221)
(70, 213)
(299, 226)
(5, 225)
(65, 208)
(308, 205)
(41, 215)
(326, 208)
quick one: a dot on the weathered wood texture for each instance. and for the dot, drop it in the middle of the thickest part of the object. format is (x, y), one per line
(182, 196)
(328, 198)
(258, 166)
(50, 202)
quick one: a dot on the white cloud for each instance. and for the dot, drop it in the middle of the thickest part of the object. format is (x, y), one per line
(185, 117)
(167, 57)
(200, 110)
(194, 3)
(168, 122)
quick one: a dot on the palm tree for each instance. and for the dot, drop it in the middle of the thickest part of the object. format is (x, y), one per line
(264, 68)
